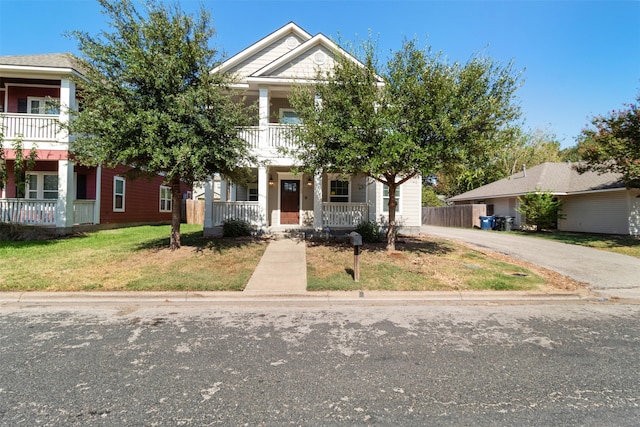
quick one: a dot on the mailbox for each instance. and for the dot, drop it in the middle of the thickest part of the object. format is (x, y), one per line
(356, 238)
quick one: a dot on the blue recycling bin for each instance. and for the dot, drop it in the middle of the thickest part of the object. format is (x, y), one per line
(486, 222)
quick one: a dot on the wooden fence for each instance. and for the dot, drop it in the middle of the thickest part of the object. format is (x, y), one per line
(464, 216)
(193, 211)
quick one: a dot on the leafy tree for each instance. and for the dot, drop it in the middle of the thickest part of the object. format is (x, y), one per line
(151, 101)
(613, 144)
(541, 209)
(21, 165)
(430, 197)
(514, 151)
(420, 114)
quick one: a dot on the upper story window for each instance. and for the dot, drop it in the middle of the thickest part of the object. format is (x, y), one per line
(40, 105)
(288, 116)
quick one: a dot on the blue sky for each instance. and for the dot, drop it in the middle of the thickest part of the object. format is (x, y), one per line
(581, 58)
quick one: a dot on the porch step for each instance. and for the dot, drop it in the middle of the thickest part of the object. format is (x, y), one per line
(294, 234)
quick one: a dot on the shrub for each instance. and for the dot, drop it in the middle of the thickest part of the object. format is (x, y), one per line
(236, 228)
(370, 232)
(541, 209)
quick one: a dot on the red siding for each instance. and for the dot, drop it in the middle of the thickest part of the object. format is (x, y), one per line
(141, 199)
(16, 92)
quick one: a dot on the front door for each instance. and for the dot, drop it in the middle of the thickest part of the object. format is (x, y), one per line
(290, 202)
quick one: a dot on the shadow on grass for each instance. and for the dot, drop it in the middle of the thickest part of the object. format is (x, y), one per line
(403, 244)
(199, 243)
(25, 236)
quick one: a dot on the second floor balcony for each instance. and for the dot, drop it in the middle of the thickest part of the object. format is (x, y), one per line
(30, 127)
(269, 138)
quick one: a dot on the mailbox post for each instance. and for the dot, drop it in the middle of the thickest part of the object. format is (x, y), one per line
(356, 241)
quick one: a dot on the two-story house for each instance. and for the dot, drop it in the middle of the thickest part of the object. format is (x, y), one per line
(279, 199)
(36, 94)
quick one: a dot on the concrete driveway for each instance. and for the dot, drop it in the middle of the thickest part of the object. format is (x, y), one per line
(617, 274)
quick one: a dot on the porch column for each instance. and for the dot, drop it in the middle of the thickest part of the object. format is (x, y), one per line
(223, 190)
(233, 190)
(208, 203)
(96, 206)
(64, 208)
(263, 115)
(67, 103)
(317, 200)
(262, 195)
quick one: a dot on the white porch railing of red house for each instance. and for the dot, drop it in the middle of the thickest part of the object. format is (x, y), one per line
(277, 136)
(83, 211)
(28, 212)
(244, 211)
(32, 127)
(344, 214)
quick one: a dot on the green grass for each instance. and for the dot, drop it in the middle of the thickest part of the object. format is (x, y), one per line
(133, 258)
(419, 265)
(626, 245)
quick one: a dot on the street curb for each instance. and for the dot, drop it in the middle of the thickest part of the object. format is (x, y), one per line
(303, 298)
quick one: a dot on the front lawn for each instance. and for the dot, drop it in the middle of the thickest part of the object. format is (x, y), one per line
(422, 264)
(124, 259)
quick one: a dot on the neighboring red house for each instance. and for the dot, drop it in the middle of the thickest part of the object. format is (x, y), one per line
(36, 93)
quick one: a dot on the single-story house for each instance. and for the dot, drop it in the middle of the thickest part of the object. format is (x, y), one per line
(591, 202)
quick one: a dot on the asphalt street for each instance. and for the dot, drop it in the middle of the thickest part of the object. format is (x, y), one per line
(192, 364)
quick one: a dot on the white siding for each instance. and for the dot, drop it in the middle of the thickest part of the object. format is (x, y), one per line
(304, 65)
(606, 212)
(410, 210)
(263, 57)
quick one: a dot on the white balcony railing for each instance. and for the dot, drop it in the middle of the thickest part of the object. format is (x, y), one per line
(244, 211)
(28, 212)
(32, 127)
(273, 136)
(83, 211)
(344, 214)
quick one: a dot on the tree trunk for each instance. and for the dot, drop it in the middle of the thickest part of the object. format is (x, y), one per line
(391, 231)
(176, 201)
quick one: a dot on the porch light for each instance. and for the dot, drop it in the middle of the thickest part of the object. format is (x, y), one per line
(309, 182)
(271, 180)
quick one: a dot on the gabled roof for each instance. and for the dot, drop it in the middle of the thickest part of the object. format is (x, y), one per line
(54, 62)
(556, 178)
(286, 55)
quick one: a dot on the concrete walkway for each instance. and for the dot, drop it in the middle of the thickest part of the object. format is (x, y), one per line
(282, 269)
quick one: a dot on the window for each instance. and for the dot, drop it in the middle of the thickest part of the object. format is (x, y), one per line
(288, 116)
(165, 199)
(339, 191)
(118, 194)
(385, 199)
(253, 194)
(42, 185)
(43, 105)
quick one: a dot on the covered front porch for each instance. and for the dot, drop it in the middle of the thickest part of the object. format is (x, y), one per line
(280, 200)
(55, 193)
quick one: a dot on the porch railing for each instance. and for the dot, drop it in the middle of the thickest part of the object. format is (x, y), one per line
(28, 212)
(275, 136)
(245, 211)
(83, 211)
(344, 214)
(32, 127)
